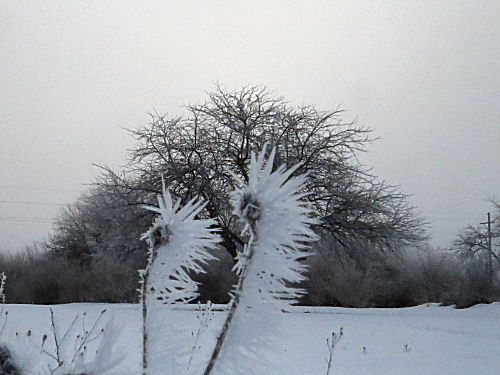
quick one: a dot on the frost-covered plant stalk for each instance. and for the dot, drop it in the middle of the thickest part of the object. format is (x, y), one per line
(7, 363)
(278, 225)
(3, 280)
(82, 348)
(3, 315)
(178, 245)
(204, 317)
(330, 344)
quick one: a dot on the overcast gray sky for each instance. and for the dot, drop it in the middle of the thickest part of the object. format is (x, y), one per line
(424, 75)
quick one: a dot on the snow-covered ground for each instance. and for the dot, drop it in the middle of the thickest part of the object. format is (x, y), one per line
(439, 340)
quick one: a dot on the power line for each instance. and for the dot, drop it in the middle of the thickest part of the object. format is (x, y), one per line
(34, 219)
(32, 202)
(38, 188)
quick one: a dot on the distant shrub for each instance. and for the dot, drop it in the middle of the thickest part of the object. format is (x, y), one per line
(37, 277)
(218, 280)
(411, 278)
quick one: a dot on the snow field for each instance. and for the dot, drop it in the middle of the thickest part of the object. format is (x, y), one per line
(440, 340)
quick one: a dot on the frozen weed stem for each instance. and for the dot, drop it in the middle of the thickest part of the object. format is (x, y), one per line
(178, 245)
(82, 349)
(278, 227)
(330, 344)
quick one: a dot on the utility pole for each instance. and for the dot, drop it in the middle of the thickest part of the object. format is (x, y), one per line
(490, 254)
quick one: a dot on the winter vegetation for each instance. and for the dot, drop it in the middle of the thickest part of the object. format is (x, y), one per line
(331, 343)
(267, 208)
(194, 153)
(80, 348)
(369, 235)
(269, 266)
(178, 246)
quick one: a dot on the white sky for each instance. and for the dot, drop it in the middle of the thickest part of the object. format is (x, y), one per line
(425, 76)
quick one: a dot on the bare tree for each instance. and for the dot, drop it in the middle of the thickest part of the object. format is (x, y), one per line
(194, 152)
(103, 223)
(473, 243)
(476, 249)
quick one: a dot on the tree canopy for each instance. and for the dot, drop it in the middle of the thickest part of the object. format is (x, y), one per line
(193, 153)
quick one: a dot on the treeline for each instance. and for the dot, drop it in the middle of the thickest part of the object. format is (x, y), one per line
(40, 277)
(366, 226)
(411, 278)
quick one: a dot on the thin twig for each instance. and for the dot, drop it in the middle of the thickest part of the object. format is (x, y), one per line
(54, 333)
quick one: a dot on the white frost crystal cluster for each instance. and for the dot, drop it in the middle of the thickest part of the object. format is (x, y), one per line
(279, 223)
(178, 244)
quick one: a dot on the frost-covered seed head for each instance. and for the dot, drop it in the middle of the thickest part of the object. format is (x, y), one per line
(178, 244)
(270, 203)
(160, 235)
(250, 209)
